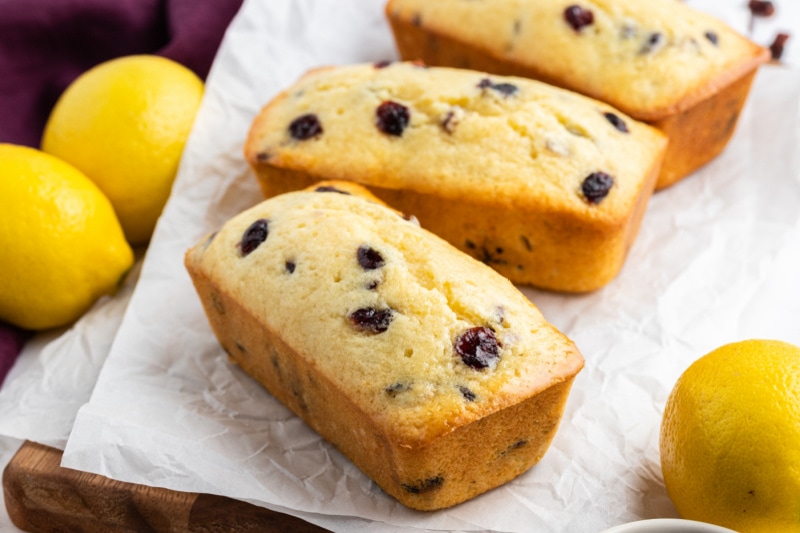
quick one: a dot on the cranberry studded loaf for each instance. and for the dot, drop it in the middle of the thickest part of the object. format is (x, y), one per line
(426, 368)
(545, 185)
(658, 61)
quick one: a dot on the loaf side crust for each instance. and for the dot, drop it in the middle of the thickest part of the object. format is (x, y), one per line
(544, 248)
(698, 116)
(675, 75)
(399, 402)
(453, 468)
(522, 214)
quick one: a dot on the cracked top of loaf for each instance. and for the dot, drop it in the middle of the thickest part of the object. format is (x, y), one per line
(421, 337)
(459, 134)
(647, 57)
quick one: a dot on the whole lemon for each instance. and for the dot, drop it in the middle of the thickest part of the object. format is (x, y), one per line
(62, 244)
(730, 438)
(124, 124)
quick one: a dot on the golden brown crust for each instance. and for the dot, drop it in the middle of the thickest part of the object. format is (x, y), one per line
(527, 221)
(439, 473)
(440, 49)
(572, 254)
(430, 445)
(700, 133)
(714, 105)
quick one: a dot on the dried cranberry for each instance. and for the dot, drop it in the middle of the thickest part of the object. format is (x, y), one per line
(653, 43)
(506, 89)
(578, 17)
(450, 122)
(596, 186)
(396, 388)
(209, 240)
(776, 48)
(712, 37)
(760, 8)
(371, 320)
(217, 303)
(489, 256)
(254, 236)
(424, 485)
(467, 394)
(392, 118)
(327, 188)
(382, 64)
(478, 347)
(517, 445)
(305, 127)
(616, 122)
(369, 258)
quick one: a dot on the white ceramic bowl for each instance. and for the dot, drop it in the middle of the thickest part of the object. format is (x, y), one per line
(668, 525)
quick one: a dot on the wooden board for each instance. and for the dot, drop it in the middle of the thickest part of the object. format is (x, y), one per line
(41, 496)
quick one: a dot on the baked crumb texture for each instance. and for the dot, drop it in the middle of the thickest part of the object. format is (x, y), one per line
(426, 368)
(545, 185)
(659, 61)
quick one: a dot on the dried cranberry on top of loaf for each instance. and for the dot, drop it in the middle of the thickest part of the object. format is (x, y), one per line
(429, 370)
(546, 186)
(658, 61)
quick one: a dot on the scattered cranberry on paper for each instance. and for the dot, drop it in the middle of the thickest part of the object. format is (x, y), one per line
(777, 45)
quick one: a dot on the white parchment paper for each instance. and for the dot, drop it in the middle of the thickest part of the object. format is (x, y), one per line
(56, 371)
(716, 261)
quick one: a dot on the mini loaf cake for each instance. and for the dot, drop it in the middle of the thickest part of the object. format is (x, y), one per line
(426, 368)
(659, 61)
(545, 185)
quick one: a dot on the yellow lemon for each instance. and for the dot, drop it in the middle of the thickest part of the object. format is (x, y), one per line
(124, 124)
(730, 438)
(63, 246)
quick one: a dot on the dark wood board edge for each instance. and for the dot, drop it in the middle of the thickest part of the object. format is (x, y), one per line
(43, 497)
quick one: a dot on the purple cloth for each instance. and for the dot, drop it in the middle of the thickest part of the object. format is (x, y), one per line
(12, 339)
(46, 44)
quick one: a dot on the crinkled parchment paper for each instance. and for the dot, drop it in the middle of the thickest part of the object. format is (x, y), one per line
(57, 370)
(716, 261)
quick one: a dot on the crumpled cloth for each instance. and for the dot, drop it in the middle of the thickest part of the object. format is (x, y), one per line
(46, 44)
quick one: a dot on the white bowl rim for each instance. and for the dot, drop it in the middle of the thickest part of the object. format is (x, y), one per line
(667, 525)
